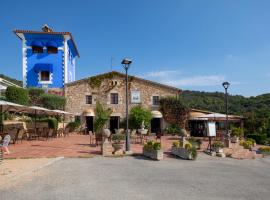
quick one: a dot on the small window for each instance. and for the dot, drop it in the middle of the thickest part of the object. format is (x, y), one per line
(37, 49)
(52, 50)
(77, 118)
(114, 98)
(44, 76)
(155, 100)
(88, 99)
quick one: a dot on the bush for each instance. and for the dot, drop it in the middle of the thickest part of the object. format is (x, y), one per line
(188, 146)
(177, 144)
(35, 95)
(173, 130)
(52, 123)
(195, 142)
(251, 140)
(259, 138)
(52, 101)
(17, 95)
(117, 138)
(152, 145)
(246, 144)
(265, 149)
(73, 125)
(138, 115)
(237, 132)
(194, 153)
(218, 144)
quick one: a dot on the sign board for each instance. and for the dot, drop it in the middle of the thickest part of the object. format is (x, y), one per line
(211, 129)
(135, 96)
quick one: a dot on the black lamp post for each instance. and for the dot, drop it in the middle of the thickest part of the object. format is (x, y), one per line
(126, 62)
(226, 86)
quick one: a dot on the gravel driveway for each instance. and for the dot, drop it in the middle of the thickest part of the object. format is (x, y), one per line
(138, 178)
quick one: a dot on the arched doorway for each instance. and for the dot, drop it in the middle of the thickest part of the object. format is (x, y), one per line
(89, 119)
(156, 122)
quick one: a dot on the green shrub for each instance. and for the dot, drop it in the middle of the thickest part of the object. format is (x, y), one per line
(117, 138)
(176, 144)
(52, 123)
(246, 144)
(138, 115)
(173, 130)
(194, 153)
(52, 101)
(251, 140)
(188, 145)
(259, 138)
(265, 150)
(196, 142)
(237, 132)
(17, 95)
(218, 144)
(35, 95)
(152, 145)
(73, 125)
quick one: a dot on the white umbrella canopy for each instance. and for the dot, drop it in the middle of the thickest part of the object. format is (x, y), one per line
(41, 110)
(62, 112)
(9, 106)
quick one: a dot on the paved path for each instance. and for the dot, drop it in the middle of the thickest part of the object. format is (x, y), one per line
(139, 178)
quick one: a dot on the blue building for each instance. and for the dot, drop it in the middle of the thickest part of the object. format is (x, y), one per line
(48, 58)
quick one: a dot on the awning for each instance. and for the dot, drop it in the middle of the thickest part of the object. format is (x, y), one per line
(89, 112)
(63, 112)
(116, 115)
(43, 67)
(52, 44)
(37, 43)
(156, 114)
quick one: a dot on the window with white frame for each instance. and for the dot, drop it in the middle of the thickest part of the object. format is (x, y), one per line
(155, 100)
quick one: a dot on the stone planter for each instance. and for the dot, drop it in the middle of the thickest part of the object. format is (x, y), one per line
(182, 153)
(218, 149)
(118, 148)
(234, 139)
(153, 154)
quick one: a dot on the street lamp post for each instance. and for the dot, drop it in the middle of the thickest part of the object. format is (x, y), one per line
(126, 63)
(226, 86)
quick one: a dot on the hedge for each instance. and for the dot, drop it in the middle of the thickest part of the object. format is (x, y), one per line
(17, 95)
(52, 101)
(259, 138)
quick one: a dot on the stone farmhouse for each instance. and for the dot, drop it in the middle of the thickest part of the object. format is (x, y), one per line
(109, 90)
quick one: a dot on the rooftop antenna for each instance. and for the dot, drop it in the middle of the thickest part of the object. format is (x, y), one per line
(112, 62)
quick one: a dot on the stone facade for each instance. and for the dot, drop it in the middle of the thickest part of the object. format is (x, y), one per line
(113, 82)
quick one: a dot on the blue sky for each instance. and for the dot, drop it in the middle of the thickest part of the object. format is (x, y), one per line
(189, 44)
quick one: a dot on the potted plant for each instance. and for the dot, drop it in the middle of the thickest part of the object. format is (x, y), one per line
(218, 146)
(153, 150)
(184, 150)
(235, 134)
(118, 141)
(196, 142)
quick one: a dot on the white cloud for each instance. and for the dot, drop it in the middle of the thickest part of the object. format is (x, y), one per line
(210, 80)
(165, 74)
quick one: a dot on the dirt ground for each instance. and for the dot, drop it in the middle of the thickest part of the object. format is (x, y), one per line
(12, 169)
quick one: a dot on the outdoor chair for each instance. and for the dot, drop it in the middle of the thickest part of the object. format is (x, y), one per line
(59, 132)
(98, 139)
(45, 132)
(134, 136)
(13, 134)
(50, 134)
(20, 135)
(92, 138)
(66, 132)
(32, 134)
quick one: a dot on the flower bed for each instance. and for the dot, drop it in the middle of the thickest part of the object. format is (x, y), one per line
(153, 150)
(186, 151)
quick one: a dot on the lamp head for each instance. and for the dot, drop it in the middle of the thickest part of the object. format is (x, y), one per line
(226, 85)
(126, 62)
